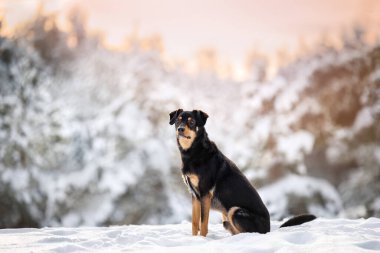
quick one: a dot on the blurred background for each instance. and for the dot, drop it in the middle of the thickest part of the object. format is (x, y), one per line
(292, 89)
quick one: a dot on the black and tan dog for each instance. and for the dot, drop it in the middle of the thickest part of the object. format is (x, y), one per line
(216, 182)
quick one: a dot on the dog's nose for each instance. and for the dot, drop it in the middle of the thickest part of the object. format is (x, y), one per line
(181, 129)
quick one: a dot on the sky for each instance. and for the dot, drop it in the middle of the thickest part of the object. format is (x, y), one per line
(232, 27)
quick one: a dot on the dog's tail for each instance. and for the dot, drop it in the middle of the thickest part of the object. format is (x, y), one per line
(298, 220)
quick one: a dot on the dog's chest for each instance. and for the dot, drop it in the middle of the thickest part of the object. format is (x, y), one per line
(192, 182)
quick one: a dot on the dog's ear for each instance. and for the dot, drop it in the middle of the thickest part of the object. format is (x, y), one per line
(174, 115)
(200, 117)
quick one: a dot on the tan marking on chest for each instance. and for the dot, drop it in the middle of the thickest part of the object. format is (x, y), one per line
(194, 179)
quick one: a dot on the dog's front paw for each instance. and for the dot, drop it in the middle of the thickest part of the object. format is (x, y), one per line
(204, 231)
(195, 231)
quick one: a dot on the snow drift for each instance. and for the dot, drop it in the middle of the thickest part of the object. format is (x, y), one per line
(321, 235)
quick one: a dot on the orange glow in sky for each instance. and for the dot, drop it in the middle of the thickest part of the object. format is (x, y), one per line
(232, 27)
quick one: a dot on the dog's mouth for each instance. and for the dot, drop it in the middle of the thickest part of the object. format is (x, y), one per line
(183, 136)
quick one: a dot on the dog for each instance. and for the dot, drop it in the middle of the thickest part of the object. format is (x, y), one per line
(216, 182)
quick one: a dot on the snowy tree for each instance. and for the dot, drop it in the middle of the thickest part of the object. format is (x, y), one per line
(85, 138)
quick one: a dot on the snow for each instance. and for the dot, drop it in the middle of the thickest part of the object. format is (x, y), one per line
(375, 76)
(376, 203)
(377, 154)
(262, 128)
(363, 119)
(321, 235)
(276, 195)
(295, 144)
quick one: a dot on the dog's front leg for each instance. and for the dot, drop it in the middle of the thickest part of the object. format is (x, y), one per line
(205, 210)
(196, 215)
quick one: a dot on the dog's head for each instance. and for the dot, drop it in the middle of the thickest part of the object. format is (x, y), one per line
(187, 125)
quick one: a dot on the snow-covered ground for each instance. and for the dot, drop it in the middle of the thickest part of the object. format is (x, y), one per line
(321, 235)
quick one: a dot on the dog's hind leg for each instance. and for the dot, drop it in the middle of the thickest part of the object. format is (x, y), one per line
(228, 224)
(241, 220)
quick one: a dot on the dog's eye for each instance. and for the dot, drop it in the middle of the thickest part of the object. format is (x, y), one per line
(192, 122)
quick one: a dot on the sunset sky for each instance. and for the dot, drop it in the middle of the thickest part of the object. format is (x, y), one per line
(232, 27)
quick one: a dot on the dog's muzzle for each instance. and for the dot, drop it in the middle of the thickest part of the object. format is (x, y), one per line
(181, 132)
